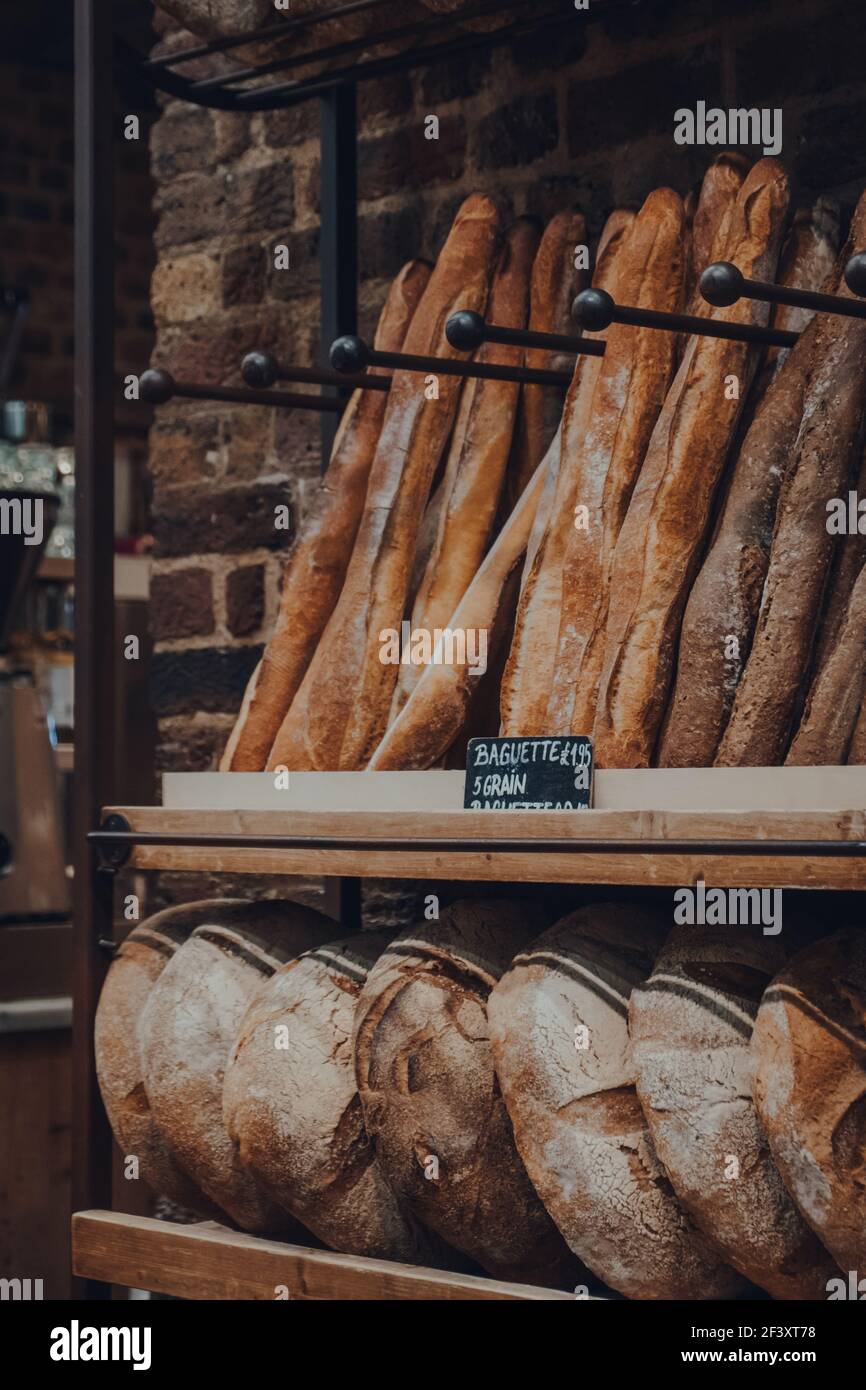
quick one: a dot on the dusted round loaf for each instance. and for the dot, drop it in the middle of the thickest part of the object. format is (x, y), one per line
(430, 1096)
(291, 1104)
(188, 1028)
(138, 964)
(558, 1024)
(691, 1024)
(809, 1048)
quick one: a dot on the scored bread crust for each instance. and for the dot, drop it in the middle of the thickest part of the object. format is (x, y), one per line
(480, 444)
(719, 188)
(140, 960)
(430, 1096)
(809, 1049)
(659, 544)
(188, 1026)
(722, 608)
(319, 558)
(529, 671)
(345, 711)
(604, 440)
(558, 1021)
(834, 700)
(438, 708)
(291, 1105)
(825, 456)
(690, 1025)
(555, 282)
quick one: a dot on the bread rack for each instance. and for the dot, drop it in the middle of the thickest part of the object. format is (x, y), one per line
(820, 849)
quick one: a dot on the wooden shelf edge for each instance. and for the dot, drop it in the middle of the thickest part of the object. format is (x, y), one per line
(210, 1262)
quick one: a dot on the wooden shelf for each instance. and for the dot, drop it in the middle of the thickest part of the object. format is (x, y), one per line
(667, 849)
(208, 1261)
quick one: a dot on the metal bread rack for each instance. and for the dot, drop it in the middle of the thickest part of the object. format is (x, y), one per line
(157, 387)
(722, 284)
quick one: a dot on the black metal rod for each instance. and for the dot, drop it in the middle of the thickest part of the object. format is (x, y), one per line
(157, 386)
(95, 657)
(595, 310)
(352, 353)
(338, 238)
(284, 29)
(287, 93)
(722, 284)
(260, 369)
(834, 849)
(414, 30)
(467, 330)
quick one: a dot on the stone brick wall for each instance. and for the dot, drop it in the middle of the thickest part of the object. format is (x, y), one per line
(36, 245)
(586, 118)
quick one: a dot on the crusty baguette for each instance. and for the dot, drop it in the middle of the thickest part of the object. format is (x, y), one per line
(480, 445)
(834, 700)
(528, 675)
(848, 561)
(555, 282)
(826, 453)
(604, 440)
(719, 189)
(318, 561)
(659, 544)
(437, 709)
(857, 746)
(350, 686)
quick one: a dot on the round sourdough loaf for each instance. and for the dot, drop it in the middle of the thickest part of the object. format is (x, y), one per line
(809, 1047)
(690, 1025)
(430, 1096)
(291, 1105)
(188, 1026)
(138, 964)
(558, 1024)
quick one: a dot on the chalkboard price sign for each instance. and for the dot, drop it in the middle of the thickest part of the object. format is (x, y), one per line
(529, 774)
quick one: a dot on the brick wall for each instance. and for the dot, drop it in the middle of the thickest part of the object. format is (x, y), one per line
(36, 245)
(584, 119)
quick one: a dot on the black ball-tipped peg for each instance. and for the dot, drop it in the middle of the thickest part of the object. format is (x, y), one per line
(855, 273)
(721, 284)
(465, 330)
(156, 386)
(259, 369)
(593, 310)
(349, 354)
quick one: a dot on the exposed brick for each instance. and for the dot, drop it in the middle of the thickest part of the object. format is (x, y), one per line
(246, 438)
(181, 604)
(245, 600)
(185, 287)
(390, 96)
(387, 239)
(297, 441)
(179, 450)
(189, 209)
(450, 80)
(232, 133)
(405, 158)
(183, 143)
(204, 678)
(802, 56)
(260, 198)
(190, 744)
(232, 520)
(292, 125)
(518, 133)
(243, 274)
(628, 105)
(211, 350)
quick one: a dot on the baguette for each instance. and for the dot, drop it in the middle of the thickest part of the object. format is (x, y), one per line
(660, 540)
(531, 661)
(719, 189)
(834, 700)
(346, 709)
(849, 561)
(603, 444)
(827, 449)
(437, 709)
(722, 609)
(479, 453)
(857, 747)
(555, 282)
(317, 563)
